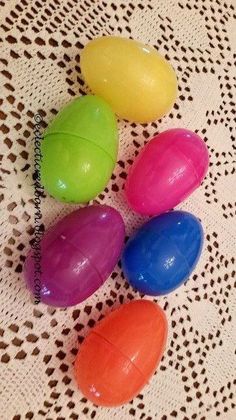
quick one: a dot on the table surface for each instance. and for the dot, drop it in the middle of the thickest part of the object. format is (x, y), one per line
(41, 43)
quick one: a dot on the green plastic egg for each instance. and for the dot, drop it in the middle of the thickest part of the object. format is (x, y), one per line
(79, 150)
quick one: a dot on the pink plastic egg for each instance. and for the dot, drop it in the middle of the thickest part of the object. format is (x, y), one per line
(168, 169)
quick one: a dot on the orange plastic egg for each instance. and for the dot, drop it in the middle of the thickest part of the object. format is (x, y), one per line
(121, 353)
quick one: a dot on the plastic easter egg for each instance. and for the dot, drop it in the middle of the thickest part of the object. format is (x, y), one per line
(121, 353)
(162, 254)
(168, 169)
(79, 150)
(138, 83)
(77, 255)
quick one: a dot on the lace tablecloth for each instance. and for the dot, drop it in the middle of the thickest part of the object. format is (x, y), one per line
(41, 41)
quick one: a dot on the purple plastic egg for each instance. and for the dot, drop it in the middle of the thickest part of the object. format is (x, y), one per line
(77, 255)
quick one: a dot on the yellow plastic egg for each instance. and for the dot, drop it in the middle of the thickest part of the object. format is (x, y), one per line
(138, 83)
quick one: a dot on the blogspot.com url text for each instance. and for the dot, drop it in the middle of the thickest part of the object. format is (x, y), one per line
(38, 195)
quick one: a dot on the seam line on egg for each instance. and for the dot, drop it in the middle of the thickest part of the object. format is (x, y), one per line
(166, 237)
(174, 146)
(191, 164)
(173, 242)
(80, 137)
(124, 355)
(85, 256)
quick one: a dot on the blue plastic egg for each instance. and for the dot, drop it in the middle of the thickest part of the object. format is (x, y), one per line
(162, 254)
